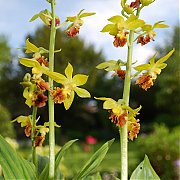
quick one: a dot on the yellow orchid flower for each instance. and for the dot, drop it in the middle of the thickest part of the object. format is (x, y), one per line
(70, 84)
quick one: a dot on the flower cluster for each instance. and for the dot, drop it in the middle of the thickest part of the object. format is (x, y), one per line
(120, 28)
(121, 114)
(35, 86)
(40, 131)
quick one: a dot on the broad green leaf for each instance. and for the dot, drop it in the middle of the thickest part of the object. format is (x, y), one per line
(108, 28)
(94, 161)
(144, 171)
(166, 57)
(110, 104)
(30, 47)
(60, 78)
(142, 67)
(69, 71)
(13, 165)
(29, 62)
(96, 176)
(83, 93)
(59, 155)
(117, 19)
(80, 79)
(42, 163)
(146, 2)
(106, 64)
(34, 17)
(69, 100)
(86, 14)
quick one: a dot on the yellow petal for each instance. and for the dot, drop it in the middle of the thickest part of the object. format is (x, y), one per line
(83, 93)
(56, 77)
(29, 62)
(69, 100)
(80, 79)
(110, 104)
(69, 71)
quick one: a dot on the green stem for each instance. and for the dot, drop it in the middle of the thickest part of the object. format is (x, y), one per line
(126, 94)
(33, 132)
(51, 102)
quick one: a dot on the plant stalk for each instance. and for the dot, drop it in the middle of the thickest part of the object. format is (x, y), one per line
(50, 100)
(33, 132)
(126, 94)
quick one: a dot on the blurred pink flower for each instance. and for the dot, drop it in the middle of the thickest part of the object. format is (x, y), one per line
(91, 140)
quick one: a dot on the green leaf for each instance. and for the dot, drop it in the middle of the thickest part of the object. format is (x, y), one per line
(45, 173)
(165, 58)
(94, 161)
(80, 79)
(86, 14)
(34, 17)
(108, 28)
(144, 171)
(69, 101)
(13, 165)
(69, 71)
(96, 176)
(83, 93)
(116, 19)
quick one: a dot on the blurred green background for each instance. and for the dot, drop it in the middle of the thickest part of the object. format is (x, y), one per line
(159, 137)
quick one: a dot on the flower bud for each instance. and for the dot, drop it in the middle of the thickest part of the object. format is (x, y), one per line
(27, 77)
(146, 2)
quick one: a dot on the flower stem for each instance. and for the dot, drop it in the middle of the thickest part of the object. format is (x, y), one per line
(126, 93)
(51, 103)
(33, 132)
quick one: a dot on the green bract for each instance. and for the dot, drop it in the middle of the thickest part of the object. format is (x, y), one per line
(119, 24)
(71, 83)
(153, 68)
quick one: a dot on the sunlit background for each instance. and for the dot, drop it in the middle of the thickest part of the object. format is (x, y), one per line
(160, 116)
